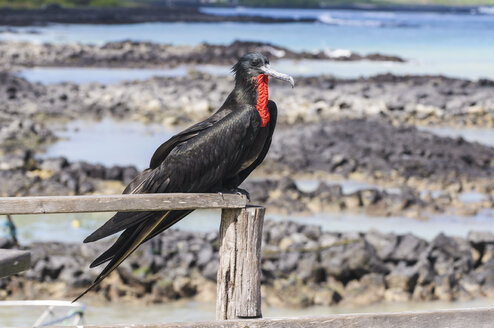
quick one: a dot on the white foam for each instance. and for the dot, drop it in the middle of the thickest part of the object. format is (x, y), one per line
(330, 20)
(337, 53)
(486, 10)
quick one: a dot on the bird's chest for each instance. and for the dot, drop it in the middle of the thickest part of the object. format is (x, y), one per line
(255, 149)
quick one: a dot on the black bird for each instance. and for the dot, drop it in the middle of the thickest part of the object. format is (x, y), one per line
(214, 155)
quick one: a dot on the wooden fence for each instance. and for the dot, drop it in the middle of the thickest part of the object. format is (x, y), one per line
(238, 283)
(239, 287)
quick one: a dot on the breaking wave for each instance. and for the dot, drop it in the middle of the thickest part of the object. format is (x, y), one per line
(486, 10)
(329, 19)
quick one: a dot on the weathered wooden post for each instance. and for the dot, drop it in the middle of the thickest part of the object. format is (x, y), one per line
(239, 271)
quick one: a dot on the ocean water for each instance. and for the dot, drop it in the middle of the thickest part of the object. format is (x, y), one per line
(82, 75)
(459, 45)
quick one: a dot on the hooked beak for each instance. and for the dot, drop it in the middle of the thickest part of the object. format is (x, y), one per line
(266, 69)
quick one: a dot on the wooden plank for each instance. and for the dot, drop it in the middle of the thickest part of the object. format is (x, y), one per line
(13, 261)
(113, 203)
(239, 273)
(457, 318)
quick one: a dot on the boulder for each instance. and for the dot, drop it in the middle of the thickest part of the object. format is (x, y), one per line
(351, 260)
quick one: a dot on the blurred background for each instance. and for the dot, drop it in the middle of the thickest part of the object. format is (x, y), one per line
(379, 183)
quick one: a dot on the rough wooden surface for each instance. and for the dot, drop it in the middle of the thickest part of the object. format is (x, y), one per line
(459, 318)
(239, 274)
(13, 261)
(113, 203)
(225, 307)
(248, 264)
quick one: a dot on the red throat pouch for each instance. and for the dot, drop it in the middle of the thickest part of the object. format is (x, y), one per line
(262, 98)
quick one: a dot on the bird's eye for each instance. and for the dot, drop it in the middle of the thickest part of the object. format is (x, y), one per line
(256, 62)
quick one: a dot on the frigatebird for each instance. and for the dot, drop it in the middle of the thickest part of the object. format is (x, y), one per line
(215, 155)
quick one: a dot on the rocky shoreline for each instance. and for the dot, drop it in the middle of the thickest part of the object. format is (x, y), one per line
(284, 196)
(122, 15)
(328, 128)
(132, 54)
(413, 100)
(301, 266)
(382, 152)
(25, 175)
(428, 173)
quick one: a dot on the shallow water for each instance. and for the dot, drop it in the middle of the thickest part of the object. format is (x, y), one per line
(73, 228)
(348, 186)
(109, 142)
(481, 135)
(60, 227)
(81, 75)
(350, 70)
(450, 44)
(124, 313)
(427, 229)
(472, 197)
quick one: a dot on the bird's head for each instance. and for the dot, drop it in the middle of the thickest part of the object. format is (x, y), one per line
(253, 64)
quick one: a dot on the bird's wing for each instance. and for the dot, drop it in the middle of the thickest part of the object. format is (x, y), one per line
(122, 220)
(162, 151)
(204, 160)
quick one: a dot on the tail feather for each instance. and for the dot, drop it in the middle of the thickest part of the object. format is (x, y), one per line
(173, 218)
(119, 222)
(119, 243)
(142, 232)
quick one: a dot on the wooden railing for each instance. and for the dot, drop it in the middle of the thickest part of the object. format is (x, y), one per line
(238, 283)
(239, 288)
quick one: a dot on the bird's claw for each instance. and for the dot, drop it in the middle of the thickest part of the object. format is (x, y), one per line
(238, 191)
(243, 192)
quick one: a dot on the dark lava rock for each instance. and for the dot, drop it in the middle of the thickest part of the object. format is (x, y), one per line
(351, 260)
(357, 267)
(403, 277)
(369, 146)
(480, 237)
(148, 54)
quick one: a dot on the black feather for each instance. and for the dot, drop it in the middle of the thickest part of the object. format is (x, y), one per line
(119, 222)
